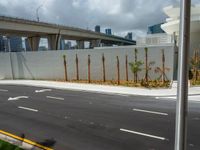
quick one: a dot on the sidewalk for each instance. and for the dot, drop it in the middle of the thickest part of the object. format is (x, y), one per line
(100, 88)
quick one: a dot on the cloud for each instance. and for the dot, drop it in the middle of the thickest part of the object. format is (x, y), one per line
(120, 15)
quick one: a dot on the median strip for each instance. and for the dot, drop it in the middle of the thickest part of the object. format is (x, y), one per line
(29, 109)
(151, 112)
(57, 98)
(21, 142)
(144, 134)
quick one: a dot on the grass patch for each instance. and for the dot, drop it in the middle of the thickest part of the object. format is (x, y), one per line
(7, 146)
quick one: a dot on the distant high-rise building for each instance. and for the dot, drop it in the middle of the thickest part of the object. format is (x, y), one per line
(155, 29)
(16, 44)
(12, 43)
(97, 28)
(62, 44)
(68, 45)
(108, 31)
(27, 46)
(2, 47)
(129, 36)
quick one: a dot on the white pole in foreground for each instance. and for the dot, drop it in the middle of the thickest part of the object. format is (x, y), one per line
(182, 100)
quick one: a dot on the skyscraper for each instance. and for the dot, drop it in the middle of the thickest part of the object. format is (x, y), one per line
(108, 31)
(129, 36)
(2, 48)
(155, 29)
(97, 28)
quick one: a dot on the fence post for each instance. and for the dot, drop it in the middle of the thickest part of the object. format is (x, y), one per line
(118, 71)
(89, 68)
(65, 67)
(104, 71)
(77, 68)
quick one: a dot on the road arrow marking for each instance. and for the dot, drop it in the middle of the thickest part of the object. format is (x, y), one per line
(17, 98)
(43, 90)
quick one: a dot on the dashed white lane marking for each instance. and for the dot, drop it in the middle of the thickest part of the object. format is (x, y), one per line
(29, 109)
(151, 112)
(2, 90)
(193, 98)
(144, 134)
(17, 98)
(57, 98)
(43, 90)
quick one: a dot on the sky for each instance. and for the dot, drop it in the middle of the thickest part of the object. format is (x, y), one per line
(121, 16)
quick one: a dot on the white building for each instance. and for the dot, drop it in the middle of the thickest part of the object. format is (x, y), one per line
(172, 24)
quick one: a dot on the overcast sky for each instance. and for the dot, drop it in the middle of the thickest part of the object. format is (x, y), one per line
(120, 15)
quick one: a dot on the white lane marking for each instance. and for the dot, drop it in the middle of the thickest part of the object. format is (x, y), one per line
(57, 98)
(125, 95)
(26, 108)
(193, 98)
(17, 98)
(43, 90)
(151, 112)
(2, 90)
(144, 134)
(166, 97)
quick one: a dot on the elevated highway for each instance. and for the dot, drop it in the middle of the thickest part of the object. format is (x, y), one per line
(34, 30)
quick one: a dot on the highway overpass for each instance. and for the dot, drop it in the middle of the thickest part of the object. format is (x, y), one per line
(34, 30)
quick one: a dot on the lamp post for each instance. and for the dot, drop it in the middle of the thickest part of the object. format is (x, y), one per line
(182, 89)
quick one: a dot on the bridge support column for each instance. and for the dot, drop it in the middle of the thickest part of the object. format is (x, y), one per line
(80, 44)
(34, 42)
(54, 41)
(95, 43)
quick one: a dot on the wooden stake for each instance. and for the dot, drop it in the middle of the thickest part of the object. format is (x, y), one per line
(65, 67)
(126, 68)
(104, 70)
(89, 68)
(77, 68)
(118, 71)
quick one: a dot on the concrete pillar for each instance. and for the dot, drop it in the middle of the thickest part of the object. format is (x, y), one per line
(34, 42)
(80, 44)
(95, 43)
(54, 41)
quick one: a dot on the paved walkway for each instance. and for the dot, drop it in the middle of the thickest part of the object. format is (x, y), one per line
(170, 92)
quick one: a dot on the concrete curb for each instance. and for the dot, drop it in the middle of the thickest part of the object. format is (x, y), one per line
(107, 89)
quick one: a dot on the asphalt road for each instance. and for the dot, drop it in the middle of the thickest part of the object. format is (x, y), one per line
(74, 120)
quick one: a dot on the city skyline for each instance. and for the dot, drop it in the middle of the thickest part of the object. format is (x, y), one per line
(136, 15)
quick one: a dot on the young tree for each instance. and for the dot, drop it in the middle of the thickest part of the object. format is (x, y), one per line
(135, 68)
(195, 62)
(148, 66)
(162, 70)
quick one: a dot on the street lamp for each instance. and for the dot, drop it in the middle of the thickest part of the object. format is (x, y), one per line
(182, 89)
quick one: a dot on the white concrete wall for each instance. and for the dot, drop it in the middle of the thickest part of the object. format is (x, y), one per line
(49, 64)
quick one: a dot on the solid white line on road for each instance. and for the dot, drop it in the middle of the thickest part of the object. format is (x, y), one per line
(151, 112)
(2, 90)
(144, 134)
(57, 98)
(43, 90)
(17, 98)
(26, 108)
